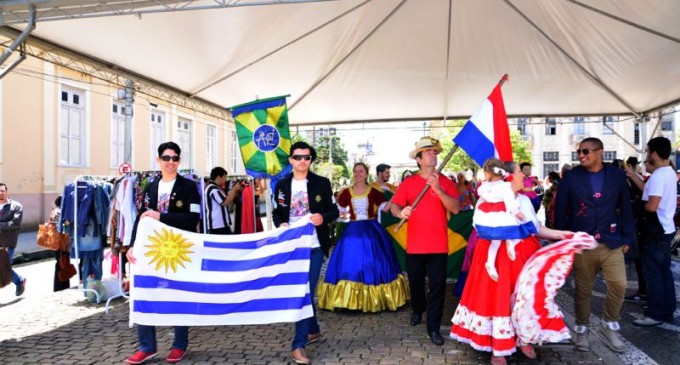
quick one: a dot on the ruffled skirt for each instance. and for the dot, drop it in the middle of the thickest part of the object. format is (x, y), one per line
(363, 272)
(483, 316)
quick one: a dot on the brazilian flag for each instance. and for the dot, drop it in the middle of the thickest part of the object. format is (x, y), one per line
(460, 226)
(264, 136)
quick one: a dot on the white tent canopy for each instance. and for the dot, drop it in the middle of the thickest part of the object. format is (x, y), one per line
(357, 60)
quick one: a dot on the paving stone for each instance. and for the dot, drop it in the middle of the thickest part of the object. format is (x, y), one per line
(61, 328)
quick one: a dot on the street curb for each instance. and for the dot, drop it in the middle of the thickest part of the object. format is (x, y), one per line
(25, 257)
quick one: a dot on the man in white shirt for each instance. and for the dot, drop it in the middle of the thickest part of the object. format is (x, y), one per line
(173, 200)
(656, 232)
(300, 193)
(216, 212)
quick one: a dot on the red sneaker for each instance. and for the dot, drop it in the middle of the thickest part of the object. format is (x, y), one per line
(139, 357)
(175, 355)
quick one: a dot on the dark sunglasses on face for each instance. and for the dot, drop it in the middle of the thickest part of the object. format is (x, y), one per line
(586, 151)
(302, 157)
(167, 158)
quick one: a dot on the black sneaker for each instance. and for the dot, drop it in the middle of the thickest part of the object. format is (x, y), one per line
(21, 288)
(636, 298)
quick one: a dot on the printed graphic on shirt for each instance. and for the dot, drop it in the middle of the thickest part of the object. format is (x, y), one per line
(163, 202)
(299, 204)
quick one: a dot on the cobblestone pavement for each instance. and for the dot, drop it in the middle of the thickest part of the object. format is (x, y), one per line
(62, 328)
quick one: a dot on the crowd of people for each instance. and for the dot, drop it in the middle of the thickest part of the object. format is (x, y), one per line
(613, 204)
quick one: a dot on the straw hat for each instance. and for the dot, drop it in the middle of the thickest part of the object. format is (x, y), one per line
(426, 143)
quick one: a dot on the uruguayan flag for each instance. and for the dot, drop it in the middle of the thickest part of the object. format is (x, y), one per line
(188, 279)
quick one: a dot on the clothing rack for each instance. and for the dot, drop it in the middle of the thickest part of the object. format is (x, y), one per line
(96, 178)
(250, 180)
(122, 293)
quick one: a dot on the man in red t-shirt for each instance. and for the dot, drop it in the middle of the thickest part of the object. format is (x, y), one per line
(427, 245)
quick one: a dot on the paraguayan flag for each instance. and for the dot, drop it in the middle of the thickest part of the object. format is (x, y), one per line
(183, 278)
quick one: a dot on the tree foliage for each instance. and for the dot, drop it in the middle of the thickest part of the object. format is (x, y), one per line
(323, 145)
(461, 161)
(341, 172)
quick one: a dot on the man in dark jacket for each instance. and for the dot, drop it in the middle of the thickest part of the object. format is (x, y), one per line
(11, 214)
(298, 194)
(173, 200)
(593, 198)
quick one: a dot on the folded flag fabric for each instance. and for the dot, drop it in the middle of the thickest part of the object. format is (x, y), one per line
(486, 133)
(183, 278)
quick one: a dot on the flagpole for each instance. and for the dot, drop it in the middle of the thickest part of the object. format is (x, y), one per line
(440, 168)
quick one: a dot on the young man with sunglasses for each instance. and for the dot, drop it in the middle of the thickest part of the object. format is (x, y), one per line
(594, 198)
(173, 200)
(300, 193)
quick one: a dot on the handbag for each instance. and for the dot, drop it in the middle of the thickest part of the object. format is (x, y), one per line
(48, 237)
(66, 269)
(5, 268)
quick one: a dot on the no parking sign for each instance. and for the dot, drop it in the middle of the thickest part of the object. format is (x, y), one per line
(124, 168)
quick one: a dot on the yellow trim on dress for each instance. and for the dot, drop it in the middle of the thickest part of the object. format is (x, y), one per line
(366, 298)
(353, 194)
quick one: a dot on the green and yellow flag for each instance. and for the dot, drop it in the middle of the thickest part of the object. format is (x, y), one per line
(460, 226)
(263, 134)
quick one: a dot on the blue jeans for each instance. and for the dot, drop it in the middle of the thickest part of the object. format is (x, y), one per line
(656, 264)
(147, 338)
(309, 325)
(16, 278)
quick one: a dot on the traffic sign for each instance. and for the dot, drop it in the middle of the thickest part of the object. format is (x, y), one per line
(124, 168)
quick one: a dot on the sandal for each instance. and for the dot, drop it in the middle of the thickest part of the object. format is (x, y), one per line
(498, 360)
(312, 338)
(299, 357)
(528, 351)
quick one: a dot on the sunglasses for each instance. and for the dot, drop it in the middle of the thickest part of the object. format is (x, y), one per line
(586, 151)
(167, 158)
(302, 157)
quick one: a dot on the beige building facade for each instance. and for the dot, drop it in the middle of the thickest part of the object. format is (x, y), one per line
(553, 141)
(57, 124)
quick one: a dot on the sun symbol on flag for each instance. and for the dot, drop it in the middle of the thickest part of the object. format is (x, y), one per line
(168, 249)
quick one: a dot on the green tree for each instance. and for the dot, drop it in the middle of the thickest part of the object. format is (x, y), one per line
(323, 145)
(461, 161)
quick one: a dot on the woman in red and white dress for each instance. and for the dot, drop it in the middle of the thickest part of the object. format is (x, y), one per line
(483, 316)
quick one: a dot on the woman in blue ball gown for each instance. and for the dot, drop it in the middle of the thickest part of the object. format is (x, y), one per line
(363, 272)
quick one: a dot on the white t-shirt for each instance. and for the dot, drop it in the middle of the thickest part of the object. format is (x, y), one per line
(663, 183)
(164, 191)
(299, 205)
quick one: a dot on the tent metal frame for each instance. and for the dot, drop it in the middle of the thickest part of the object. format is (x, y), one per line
(16, 11)
(19, 11)
(61, 56)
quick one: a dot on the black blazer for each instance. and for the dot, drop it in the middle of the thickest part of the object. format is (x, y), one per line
(184, 195)
(320, 201)
(577, 209)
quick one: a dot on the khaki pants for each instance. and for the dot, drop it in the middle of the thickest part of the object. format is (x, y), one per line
(586, 266)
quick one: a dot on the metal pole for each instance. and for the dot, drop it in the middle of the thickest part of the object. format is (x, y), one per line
(330, 159)
(129, 102)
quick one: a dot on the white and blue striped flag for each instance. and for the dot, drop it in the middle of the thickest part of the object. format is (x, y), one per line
(183, 278)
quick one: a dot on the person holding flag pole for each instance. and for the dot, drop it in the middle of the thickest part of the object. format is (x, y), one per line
(427, 238)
